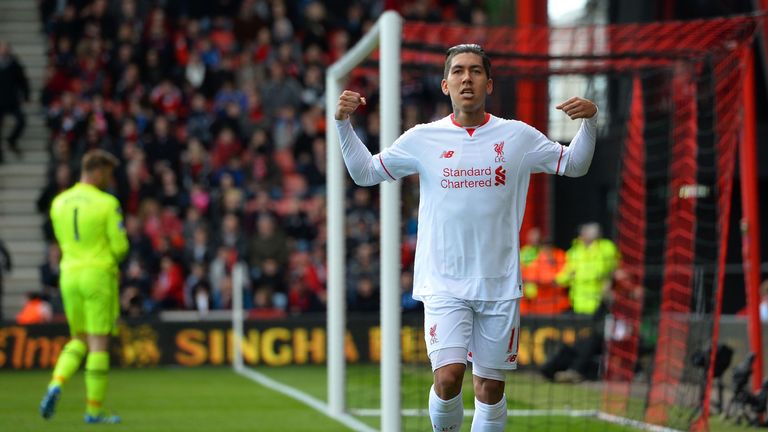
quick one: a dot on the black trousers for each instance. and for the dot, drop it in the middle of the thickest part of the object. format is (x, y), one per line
(18, 128)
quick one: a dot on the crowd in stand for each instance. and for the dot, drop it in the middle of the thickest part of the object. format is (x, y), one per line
(215, 110)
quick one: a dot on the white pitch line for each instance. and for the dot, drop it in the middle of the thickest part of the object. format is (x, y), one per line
(410, 412)
(634, 423)
(610, 418)
(304, 398)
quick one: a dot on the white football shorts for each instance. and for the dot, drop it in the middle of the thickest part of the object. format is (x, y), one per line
(488, 330)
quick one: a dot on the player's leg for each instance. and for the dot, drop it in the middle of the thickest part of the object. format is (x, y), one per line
(74, 351)
(101, 287)
(447, 328)
(495, 340)
(490, 401)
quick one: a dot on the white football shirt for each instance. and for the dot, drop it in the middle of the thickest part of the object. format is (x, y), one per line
(473, 186)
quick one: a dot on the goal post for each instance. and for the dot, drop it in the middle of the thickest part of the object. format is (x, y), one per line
(386, 34)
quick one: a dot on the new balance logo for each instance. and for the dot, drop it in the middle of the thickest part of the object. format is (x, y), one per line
(447, 154)
(501, 176)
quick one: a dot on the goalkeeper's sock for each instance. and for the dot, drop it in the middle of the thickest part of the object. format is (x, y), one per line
(446, 415)
(490, 418)
(96, 369)
(69, 361)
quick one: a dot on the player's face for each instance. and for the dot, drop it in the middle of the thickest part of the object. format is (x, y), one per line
(467, 83)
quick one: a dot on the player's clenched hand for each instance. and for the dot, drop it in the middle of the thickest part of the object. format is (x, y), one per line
(577, 108)
(348, 103)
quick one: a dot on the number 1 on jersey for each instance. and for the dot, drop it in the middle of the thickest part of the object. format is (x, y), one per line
(77, 231)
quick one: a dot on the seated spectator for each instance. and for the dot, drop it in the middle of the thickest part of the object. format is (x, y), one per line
(162, 148)
(167, 99)
(225, 147)
(301, 299)
(197, 289)
(199, 250)
(199, 120)
(264, 304)
(365, 297)
(203, 301)
(168, 287)
(407, 302)
(230, 236)
(49, 276)
(36, 310)
(196, 166)
(268, 243)
(540, 264)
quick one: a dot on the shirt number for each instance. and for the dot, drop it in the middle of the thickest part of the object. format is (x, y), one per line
(77, 231)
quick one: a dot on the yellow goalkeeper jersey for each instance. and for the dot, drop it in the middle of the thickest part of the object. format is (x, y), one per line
(88, 225)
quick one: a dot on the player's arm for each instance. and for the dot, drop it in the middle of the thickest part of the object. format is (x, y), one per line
(357, 158)
(118, 240)
(582, 146)
(573, 160)
(394, 162)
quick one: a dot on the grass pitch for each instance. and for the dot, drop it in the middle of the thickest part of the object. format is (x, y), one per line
(216, 399)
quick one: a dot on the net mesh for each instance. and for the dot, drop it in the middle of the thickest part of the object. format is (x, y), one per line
(670, 121)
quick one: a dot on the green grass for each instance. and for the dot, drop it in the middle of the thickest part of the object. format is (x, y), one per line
(162, 400)
(216, 399)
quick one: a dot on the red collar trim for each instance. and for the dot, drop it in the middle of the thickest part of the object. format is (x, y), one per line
(470, 130)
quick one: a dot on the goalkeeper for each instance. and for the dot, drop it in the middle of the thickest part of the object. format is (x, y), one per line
(88, 225)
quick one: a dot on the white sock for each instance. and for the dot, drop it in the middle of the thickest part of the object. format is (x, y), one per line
(446, 415)
(490, 418)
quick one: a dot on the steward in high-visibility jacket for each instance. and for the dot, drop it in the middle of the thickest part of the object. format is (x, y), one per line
(589, 267)
(542, 294)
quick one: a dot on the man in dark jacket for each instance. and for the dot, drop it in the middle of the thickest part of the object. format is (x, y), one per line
(5, 267)
(14, 90)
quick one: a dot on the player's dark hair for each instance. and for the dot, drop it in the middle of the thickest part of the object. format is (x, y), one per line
(97, 159)
(466, 48)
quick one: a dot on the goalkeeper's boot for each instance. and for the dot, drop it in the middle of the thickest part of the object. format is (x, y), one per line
(48, 404)
(102, 418)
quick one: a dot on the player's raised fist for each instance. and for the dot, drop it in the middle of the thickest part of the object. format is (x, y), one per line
(577, 108)
(348, 103)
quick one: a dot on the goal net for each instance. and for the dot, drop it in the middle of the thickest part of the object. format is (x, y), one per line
(661, 186)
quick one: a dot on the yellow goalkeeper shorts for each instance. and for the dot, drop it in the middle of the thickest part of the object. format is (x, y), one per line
(90, 300)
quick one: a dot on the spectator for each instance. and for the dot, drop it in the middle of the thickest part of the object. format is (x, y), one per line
(199, 121)
(36, 310)
(364, 265)
(268, 243)
(168, 289)
(540, 264)
(407, 301)
(162, 148)
(49, 277)
(5, 267)
(199, 250)
(203, 299)
(301, 299)
(198, 278)
(365, 297)
(280, 90)
(265, 304)
(230, 236)
(14, 90)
